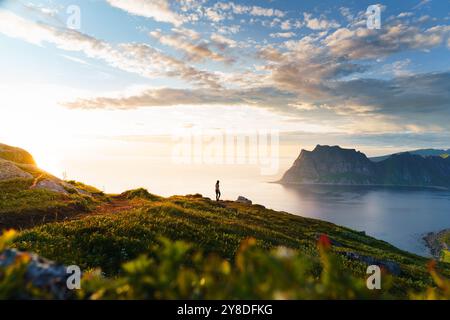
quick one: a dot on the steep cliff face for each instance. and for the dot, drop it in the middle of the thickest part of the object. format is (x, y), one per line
(334, 165)
(331, 165)
(414, 170)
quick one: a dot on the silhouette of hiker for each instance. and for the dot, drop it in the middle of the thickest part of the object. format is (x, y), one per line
(218, 190)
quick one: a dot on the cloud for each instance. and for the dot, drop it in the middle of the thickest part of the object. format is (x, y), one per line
(328, 74)
(160, 97)
(265, 12)
(417, 96)
(225, 10)
(362, 43)
(319, 23)
(136, 58)
(309, 66)
(223, 42)
(398, 68)
(233, 29)
(182, 40)
(159, 10)
(214, 15)
(282, 35)
(346, 13)
(421, 4)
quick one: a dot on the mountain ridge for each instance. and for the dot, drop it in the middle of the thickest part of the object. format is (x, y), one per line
(336, 165)
(420, 152)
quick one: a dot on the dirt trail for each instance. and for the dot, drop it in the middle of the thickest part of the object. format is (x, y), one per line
(115, 206)
(26, 220)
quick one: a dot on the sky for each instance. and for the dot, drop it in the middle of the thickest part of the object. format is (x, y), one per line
(77, 76)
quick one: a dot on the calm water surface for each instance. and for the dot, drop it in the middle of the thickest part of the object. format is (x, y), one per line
(400, 216)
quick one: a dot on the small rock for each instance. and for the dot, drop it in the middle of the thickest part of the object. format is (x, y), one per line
(43, 274)
(242, 199)
(10, 171)
(51, 185)
(390, 266)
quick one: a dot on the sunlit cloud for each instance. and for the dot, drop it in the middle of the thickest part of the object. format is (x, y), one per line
(139, 58)
(156, 9)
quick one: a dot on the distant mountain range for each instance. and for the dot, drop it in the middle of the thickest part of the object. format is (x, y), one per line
(335, 165)
(420, 152)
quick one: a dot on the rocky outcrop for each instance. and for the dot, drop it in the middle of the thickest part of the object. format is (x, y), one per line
(43, 274)
(16, 163)
(334, 165)
(51, 185)
(435, 243)
(391, 266)
(17, 155)
(9, 170)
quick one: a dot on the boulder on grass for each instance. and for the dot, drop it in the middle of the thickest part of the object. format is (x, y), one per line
(43, 274)
(50, 185)
(9, 170)
(242, 199)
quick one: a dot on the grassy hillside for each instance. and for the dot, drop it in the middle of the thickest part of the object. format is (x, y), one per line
(15, 155)
(23, 207)
(123, 227)
(445, 240)
(148, 246)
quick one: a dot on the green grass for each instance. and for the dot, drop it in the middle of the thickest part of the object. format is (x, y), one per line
(108, 241)
(140, 193)
(16, 155)
(446, 256)
(444, 238)
(17, 198)
(86, 188)
(22, 207)
(132, 223)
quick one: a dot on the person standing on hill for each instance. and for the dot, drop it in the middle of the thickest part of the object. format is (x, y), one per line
(218, 190)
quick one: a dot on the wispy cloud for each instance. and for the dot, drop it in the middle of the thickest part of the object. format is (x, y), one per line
(137, 58)
(282, 35)
(319, 23)
(158, 97)
(158, 10)
(323, 67)
(194, 50)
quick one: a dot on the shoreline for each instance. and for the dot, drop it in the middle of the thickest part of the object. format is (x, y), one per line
(361, 185)
(433, 242)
